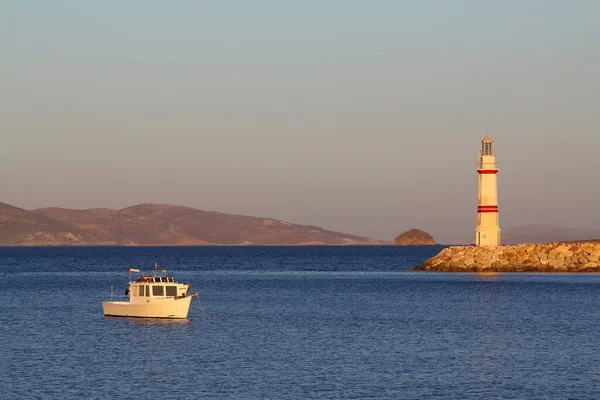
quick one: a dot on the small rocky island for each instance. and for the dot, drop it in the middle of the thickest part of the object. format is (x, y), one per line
(414, 237)
(545, 257)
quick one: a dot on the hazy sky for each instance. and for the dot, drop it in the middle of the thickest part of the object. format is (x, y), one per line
(358, 116)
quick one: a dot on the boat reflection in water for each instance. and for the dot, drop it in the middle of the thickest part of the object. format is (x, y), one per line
(157, 321)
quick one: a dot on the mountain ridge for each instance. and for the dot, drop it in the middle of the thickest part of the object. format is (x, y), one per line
(543, 233)
(540, 233)
(151, 224)
(19, 226)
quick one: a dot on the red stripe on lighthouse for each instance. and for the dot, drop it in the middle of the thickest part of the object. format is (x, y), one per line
(487, 209)
(487, 171)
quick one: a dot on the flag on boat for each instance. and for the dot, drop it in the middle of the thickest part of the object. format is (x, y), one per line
(130, 270)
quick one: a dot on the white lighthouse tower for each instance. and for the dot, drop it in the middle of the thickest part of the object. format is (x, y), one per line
(487, 232)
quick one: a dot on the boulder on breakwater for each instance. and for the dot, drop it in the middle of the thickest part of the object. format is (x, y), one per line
(528, 257)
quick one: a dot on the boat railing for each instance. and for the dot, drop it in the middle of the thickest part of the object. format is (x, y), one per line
(159, 272)
(155, 279)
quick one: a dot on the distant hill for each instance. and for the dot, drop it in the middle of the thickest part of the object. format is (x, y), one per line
(20, 227)
(541, 233)
(414, 237)
(157, 224)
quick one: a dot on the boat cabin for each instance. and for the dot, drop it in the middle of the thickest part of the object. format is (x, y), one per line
(156, 286)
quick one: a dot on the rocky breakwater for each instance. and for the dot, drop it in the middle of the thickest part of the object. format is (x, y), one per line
(545, 257)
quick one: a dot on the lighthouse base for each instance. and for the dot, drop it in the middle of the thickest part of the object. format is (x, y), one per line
(487, 238)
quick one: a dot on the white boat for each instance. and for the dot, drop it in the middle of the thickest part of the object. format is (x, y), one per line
(152, 296)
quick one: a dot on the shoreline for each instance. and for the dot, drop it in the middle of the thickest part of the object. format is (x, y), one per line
(195, 245)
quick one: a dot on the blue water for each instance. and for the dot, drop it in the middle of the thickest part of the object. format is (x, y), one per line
(295, 323)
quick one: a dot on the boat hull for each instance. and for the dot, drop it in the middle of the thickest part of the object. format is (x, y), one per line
(157, 308)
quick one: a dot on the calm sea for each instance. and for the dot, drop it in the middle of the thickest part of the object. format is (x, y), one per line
(295, 323)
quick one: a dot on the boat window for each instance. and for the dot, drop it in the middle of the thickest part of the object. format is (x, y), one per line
(147, 290)
(158, 290)
(171, 290)
(164, 279)
(141, 290)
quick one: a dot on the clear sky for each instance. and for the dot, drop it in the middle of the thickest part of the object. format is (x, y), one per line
(358, 116)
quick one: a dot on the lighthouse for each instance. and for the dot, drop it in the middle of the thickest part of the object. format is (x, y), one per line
(487, 232)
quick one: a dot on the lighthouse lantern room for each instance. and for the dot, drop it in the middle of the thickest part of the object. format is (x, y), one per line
(487, 232)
